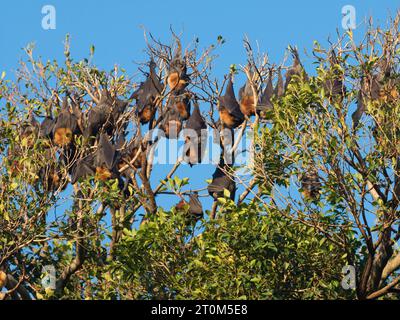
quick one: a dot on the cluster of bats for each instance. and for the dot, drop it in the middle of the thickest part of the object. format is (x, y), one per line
(104, 133)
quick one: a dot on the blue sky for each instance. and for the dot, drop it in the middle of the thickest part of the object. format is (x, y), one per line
(114, 27)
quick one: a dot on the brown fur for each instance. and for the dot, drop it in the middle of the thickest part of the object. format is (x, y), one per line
(102, 174)
(182, 109)
(226, 118)
(247, 106)
(62, 136)
(175, 82)
(146, 114)
(173, 126)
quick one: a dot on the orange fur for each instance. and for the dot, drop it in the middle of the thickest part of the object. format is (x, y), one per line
(102, 174)
(63, 136)
(175, 82)
(247, 106)
(146, 114)
(226, 118)
(173, 127)
(182, 109)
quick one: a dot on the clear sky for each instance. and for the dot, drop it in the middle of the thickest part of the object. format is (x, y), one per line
(114, 27)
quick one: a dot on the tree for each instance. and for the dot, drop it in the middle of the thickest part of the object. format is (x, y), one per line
(321, 192)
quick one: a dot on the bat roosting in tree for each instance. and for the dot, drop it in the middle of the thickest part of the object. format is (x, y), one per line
(195, 136)
(221, 181)
(246, 98)
(147, 94)
(229, 108)
(177, 78)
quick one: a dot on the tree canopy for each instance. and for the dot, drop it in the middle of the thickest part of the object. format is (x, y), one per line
(319, 187)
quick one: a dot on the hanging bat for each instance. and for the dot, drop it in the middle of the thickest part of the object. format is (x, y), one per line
(246, 98)
(66, 126)
(46, 128)
(82, 168)
(131, 152)
(229, 108)
(177, 77)
(195, 206)
(310, 184)
(106, 159)
(334, 87)
(29, 129)
(51, 178)
(181, 102)
(172, 124)
(147, 94)
(279, 88)
(265, 103)
(195, 136)
(220, 182)
(356, 116)
(98, 115)
(296, 70)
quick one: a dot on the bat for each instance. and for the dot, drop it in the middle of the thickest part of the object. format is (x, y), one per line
(195, 137)
(221, 182)
(106, 159)
(334, 86)
(246, 98)
(356, 116)
(181, 102)
(46, 128)
(51, 178)
(29, 129)
(172, 124)
(177, 77)
(130, 153)
(265, 102)
(82, 168)
(195, 207)
(98, 115)
(147, 94)
(229, 108)
(66, 126)
(279, 88)
(310, 184)
(296, 70)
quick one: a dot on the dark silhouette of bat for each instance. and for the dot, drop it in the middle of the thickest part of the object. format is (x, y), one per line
(220, 182)
(66, 125)
(51, 178)
(177, 78)
(106, 159)
(296, 70)
(29, 129)
(195, 206)
(265, 103)
(83, 168)
(172, 124)
(279, 88)
(195, 137)
(311, 184)
(106, 114)
(130, 152)
(357, 114)
(147, 94)
(181, 102)
(229, 108)
(334, 86)
(246, 98)
(46, 128)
